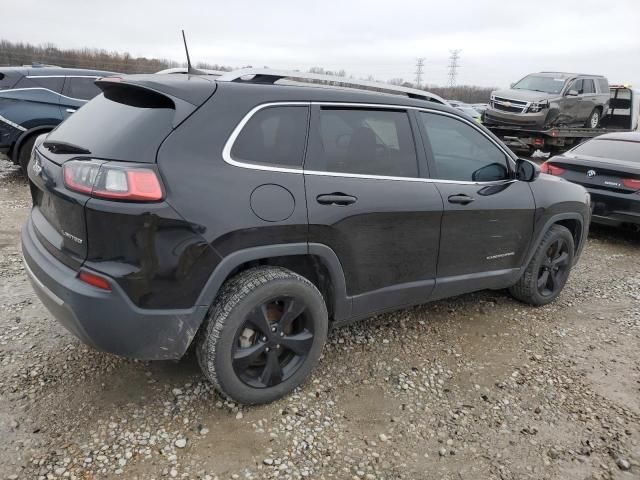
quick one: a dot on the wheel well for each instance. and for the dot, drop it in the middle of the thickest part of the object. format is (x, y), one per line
(309, 266)
(575, 227)
(17, 146)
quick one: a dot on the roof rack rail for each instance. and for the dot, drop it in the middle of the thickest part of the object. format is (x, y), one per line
(267, 76)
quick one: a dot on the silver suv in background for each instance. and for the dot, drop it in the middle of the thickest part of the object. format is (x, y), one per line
(548, 99)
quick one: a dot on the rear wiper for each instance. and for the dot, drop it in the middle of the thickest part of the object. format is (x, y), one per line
(64, 147)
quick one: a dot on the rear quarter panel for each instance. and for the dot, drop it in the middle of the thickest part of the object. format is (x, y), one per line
(214, 196)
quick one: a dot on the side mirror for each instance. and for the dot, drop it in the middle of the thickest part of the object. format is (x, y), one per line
(511, 85)
(526, 171)
(572, 93)
(490, 173)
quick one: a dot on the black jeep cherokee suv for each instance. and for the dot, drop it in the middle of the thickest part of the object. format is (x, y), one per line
(249, 217)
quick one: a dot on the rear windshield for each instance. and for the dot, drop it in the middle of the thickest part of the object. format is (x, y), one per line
(614, 149)
(540, 83)
(120, 124)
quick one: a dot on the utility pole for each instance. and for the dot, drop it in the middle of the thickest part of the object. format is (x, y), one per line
(419, 71)
(453, 66)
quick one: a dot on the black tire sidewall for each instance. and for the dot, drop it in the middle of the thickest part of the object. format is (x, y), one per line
(226, 376)
(24, 155)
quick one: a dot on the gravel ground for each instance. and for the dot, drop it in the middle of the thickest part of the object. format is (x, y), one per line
(475, 387)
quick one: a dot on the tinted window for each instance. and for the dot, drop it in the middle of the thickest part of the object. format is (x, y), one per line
(122, 124)
(8, 79)
(83, 88)
(617, 150)
(368, 142)
(273, 136)
(588, 86)
(51, 83)
(577, 86)
(460, 152)
(603, 85)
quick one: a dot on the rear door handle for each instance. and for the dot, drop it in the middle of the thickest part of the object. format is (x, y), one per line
(461, 199)
(336, 199)
(71, 110)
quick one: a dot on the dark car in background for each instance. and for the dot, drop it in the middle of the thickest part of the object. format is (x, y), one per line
(608, 166)
(547, 99)
(35, 99)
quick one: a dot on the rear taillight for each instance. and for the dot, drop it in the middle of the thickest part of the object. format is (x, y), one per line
(115, 181)
(632, 183)
(546, 167)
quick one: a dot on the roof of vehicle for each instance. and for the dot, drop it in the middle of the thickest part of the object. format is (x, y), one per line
(324, 93)
(568, 74)
(621, 136)
(56, 71)
(195, 88)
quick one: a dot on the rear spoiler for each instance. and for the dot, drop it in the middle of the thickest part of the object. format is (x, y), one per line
(147, 91)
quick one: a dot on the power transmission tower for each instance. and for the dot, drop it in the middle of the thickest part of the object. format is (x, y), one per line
(419, 71)
(453, 66)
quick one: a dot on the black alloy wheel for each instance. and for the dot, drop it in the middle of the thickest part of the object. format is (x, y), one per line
(273, 342)
(554, 268)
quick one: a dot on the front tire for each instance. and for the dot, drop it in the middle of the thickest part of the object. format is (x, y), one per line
(548, 270)
(263, 335)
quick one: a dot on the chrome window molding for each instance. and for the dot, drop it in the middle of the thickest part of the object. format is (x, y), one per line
(45, 89)
(226, 151)
(63, 76)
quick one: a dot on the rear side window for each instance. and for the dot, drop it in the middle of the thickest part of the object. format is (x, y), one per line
(603, 85)
(588, 86)
(363, 141)
(273, 136)
(83, 88)
(614, 149)
(461, 152)
(8, 80)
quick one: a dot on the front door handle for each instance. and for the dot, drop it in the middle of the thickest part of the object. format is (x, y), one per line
(71, 110)
(336, 199)
(461, 199)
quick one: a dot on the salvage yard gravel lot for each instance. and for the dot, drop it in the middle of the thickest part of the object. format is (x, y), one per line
(475, 387)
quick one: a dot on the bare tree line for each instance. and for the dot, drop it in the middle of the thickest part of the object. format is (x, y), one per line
(19, 53)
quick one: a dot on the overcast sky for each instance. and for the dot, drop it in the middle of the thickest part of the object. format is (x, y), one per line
(500, 40)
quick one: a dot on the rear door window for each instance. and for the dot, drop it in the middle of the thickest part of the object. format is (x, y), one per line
(83, 88)
(363, 141)
(588, 86)
(274, 136)
(460, 152)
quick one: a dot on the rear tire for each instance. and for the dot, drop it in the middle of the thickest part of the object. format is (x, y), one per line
(263, 335)
(594, 119)
(548, 270)
(24, 155)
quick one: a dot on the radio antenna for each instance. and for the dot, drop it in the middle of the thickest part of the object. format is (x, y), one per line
(190, 69)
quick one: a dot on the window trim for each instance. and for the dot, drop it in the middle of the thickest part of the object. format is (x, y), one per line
(431, 156)
(226, 150)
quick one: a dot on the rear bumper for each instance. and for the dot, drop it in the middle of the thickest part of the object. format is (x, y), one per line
(107, 321)
(615, 209)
